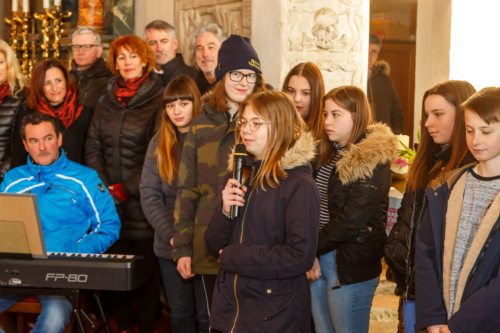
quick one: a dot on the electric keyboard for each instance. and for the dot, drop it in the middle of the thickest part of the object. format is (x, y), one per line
(75, 271)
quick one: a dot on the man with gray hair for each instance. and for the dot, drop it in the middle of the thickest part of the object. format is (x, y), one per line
(205, 44)
(88, 69)
(162, 39)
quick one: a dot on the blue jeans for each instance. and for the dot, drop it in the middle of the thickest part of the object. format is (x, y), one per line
(55, 315)
(180, 296)
(409, 316)
(340, 309)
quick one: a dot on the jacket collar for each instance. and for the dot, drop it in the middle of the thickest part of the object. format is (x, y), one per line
(149, 90)
(360, 159)
(381, 67)
(47, 171)
(301, 153)
(171, 65)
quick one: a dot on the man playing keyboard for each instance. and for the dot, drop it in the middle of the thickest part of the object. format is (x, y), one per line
(77, 212)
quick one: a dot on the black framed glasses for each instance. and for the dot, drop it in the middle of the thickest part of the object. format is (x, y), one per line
(84, 47)
(253, 124)
(237, 76)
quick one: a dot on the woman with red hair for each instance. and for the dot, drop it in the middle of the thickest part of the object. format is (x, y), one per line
(118, 138)
(52, 92)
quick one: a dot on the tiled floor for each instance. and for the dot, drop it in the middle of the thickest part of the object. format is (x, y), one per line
(384, 314)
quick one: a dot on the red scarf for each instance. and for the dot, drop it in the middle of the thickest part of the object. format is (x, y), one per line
(126, 89)
(4, 91)
(67, 112)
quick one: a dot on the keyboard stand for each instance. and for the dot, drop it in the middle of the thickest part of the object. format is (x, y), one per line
(73, 296)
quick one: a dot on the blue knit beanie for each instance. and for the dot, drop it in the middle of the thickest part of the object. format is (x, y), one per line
(236, 52)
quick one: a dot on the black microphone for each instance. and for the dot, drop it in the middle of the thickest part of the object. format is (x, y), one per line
(239, 156)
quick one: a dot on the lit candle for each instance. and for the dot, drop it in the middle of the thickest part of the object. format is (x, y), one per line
(26, 6)
(15, 5)
(46, 4)
(57, 2)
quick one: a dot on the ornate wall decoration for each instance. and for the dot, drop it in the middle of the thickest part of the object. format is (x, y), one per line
(233, 16)
(328, 33)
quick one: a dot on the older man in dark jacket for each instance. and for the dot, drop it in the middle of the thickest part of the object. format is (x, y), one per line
(88, 69)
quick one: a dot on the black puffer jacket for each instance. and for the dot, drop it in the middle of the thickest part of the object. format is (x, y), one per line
(399, 252)
(116, 145)
(8, 111)
(357, 202)
(92, 82)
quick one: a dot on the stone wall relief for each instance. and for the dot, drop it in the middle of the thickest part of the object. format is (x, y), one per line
(328, 33)
(233, 16)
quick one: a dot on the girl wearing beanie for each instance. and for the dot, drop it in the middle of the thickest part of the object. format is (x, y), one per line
(203, 166)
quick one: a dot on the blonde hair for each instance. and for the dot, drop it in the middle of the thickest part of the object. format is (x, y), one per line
(286, 126)
(15, 78)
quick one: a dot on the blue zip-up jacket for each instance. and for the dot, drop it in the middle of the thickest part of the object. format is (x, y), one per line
(77, 212)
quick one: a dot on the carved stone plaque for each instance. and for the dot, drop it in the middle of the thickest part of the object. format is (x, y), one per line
(233, 16)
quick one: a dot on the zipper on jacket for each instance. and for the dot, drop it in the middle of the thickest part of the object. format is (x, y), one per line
(236, 274)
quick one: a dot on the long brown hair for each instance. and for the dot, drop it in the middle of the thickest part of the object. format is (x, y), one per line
(286, 126)
(217, 98)
(180, 88)
(312, 74)
(424, 168)
(354, 100)
(37, 81)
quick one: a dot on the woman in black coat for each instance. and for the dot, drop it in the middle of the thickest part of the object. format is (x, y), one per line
(52, 92)
(12, 88)
(122, 127)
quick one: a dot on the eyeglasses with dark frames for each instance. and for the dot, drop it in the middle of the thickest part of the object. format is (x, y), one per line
(237, 76)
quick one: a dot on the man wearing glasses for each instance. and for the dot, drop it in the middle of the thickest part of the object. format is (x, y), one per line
(162, 39)
(88, 69)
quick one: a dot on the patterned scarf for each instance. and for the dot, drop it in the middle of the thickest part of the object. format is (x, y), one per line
(126, 89)
(67, 112)
(4, 91)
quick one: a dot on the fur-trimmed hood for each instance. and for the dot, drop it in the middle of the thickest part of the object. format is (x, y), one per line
(382, 67)
(360, 159)
(302, 152)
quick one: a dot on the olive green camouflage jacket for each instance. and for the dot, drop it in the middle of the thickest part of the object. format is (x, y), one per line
(202, 171)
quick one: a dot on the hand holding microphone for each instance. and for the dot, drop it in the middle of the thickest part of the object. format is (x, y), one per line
(233, 194)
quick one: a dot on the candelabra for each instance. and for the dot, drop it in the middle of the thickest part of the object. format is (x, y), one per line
(13, 23)
(57, 15)
(26, 64)
(44, 19)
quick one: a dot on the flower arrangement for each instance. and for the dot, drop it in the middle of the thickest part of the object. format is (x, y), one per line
(405, 157)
